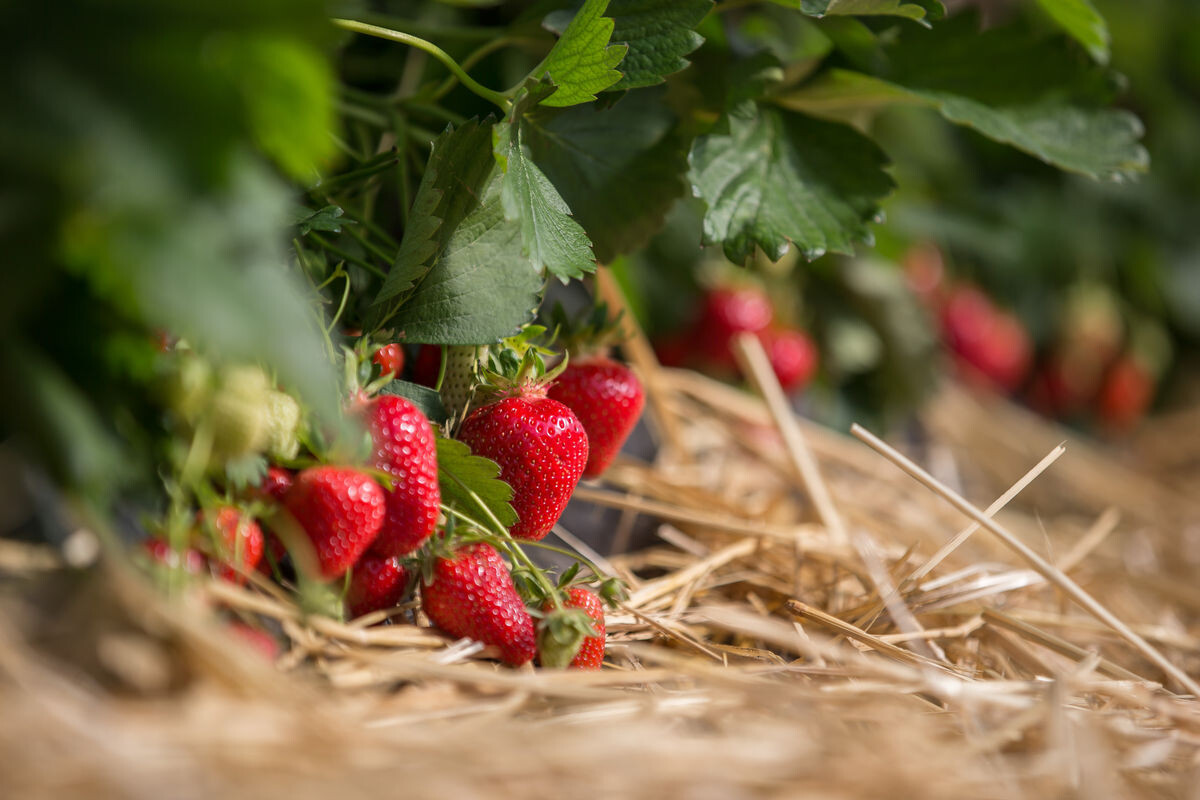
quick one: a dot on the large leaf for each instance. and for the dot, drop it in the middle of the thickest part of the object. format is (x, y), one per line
(1081, 20)
(551, 239)
(1099, 143)
(770, 177)
(481, 289)
(582, 61)
(898, 8)
(460, 474)
(458, 165)
(659, 34)
(619, 168)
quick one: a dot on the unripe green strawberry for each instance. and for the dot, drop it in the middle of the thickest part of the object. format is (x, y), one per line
(190, 388)
(283, 422)
(240, 415)
(458, 384)
(472, 595)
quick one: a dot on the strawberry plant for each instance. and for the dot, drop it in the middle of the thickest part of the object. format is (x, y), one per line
(230, 223)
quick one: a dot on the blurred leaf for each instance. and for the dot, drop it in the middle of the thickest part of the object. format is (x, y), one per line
(1099, 143)
(460, 473)
(582, 63)
(820, 8)
(1083, 22)
(619, 168)
(771, 177)
(328, 218)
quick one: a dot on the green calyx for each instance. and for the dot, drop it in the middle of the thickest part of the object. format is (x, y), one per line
(517, 367)
(587, 334)
(561, 634)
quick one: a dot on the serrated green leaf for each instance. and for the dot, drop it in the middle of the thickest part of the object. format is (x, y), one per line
(1081, 20)
(459, 163)
(619, 169)
(582, 62)
(424, 398)
(481, 288)
(551, 239)
(460, 473)
(863, 8)
(770, 177)
(659, 33)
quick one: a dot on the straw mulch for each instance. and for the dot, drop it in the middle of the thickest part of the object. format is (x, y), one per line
(801, 629)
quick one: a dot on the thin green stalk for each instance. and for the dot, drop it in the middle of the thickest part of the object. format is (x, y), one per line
(432, 49)
(353, 259)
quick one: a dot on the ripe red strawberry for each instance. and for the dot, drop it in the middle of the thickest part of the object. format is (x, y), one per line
(429, 362)
(726, 313)
(275, 484)
(591, 652)
(257, 639)
(390, 359)
(239, 541)
(341, 510)
(404, 448)
(991, 343)
(792, 354)
(541, 448)
(607, 399)
(160, 552)
(375, 583)
(1125, 394)
(472, 595)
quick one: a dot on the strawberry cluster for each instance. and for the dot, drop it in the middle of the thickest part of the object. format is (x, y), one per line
(371, 522)
(726, 311)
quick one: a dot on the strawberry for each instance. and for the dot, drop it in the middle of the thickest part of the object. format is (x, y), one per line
(160, 552)
(239, 541)
(341, 510)
(427, 365)
(472, 595)
(541, 448)
(404, 447)
(591, 651)
(375, 583)
(991, 343)
(390, 359)
(607, 399)
(275, 484)
(256, 639)
(1125, 394)
(726, 313)
(792, 354)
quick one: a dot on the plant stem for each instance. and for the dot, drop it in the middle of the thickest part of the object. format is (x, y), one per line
(429, 47)
(342, 254)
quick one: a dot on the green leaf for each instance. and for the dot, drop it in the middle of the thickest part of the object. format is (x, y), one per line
(551, 239)
(459, 163)
(1099, 143)
(898, 8)
(620, 168)
(1081, 20)
(771, 177)
(481, 289)
(460, 473)
(659, 33)
(424, 398)
(328, 218)
(582, 63)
